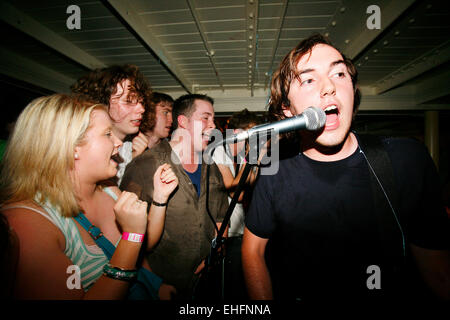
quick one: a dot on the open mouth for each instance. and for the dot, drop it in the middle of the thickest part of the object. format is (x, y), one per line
(332, 113)
(117, 158)
(206, 137)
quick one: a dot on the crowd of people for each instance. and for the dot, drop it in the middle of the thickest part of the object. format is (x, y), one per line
(105, 194)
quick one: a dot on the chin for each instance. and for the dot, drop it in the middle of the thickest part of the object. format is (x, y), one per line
(331, 139)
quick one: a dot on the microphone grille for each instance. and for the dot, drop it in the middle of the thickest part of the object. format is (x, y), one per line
(315, 118)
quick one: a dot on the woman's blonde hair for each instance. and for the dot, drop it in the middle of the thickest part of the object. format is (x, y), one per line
(40, 153)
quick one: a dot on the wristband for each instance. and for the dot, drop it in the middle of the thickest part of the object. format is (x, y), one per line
(159, 204)
(133, 237)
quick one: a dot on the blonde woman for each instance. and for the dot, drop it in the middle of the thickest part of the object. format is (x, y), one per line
(60, 151)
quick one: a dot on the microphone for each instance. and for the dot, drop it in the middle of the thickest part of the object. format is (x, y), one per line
(311, 119)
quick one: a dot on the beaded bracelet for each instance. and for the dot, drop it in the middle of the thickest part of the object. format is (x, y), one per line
(118, 273)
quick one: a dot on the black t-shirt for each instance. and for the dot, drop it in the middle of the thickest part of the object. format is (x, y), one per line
(322, 229)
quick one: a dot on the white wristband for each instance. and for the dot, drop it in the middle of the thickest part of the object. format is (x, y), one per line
(133, 237)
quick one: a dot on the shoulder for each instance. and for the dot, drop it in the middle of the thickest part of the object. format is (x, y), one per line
(407, 151)
(29, 225)
(400, 144)
(159, 152)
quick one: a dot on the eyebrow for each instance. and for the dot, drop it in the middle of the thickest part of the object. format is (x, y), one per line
(332, 64)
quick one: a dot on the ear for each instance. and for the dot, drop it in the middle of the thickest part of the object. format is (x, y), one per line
(182, 121)
(287, 111)
(76, 153)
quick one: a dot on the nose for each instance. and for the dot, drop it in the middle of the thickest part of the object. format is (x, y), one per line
(211, 123)
(117, 142)
(139, 108)
(328, 87)
(169, 119)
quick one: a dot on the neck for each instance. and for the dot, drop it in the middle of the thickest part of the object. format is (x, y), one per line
(153, 140)
(326, 154)
(85, 193)
(185, 152)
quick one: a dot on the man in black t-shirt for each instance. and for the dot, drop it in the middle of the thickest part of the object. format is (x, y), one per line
(327, 235)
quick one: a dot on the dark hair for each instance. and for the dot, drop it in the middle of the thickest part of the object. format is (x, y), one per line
(149, 115)
(185, 105)
(242, 119)
(286, 72)
(100, 84)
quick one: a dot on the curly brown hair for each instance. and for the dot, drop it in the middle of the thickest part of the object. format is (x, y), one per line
(286, 72)
(149, 117)
(100, 84)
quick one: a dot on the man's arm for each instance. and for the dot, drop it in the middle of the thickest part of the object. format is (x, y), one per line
(256, 274)
(434, 266)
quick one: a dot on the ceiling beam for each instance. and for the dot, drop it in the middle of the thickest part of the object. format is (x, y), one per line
(26, 24)
(123, 10)
(424, 63)
(284, 4)
(209, 51)
(433, 88)
(362, 37)
(252, 13)
(26, 70)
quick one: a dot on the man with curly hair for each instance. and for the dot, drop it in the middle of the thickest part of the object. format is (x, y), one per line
(127, 94)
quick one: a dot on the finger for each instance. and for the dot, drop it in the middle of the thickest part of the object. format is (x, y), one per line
(169, 178)
(159, 170)
(123, 198)
(167, 170)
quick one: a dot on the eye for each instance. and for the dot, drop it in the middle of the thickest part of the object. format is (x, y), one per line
(307, 81)
(339, 74)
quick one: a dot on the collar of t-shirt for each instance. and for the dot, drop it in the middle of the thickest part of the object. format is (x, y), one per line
(196, 178)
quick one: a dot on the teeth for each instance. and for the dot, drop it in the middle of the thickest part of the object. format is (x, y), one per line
(330, 108)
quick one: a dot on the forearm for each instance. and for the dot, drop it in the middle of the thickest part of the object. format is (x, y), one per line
(155, 226)
(105, 288)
